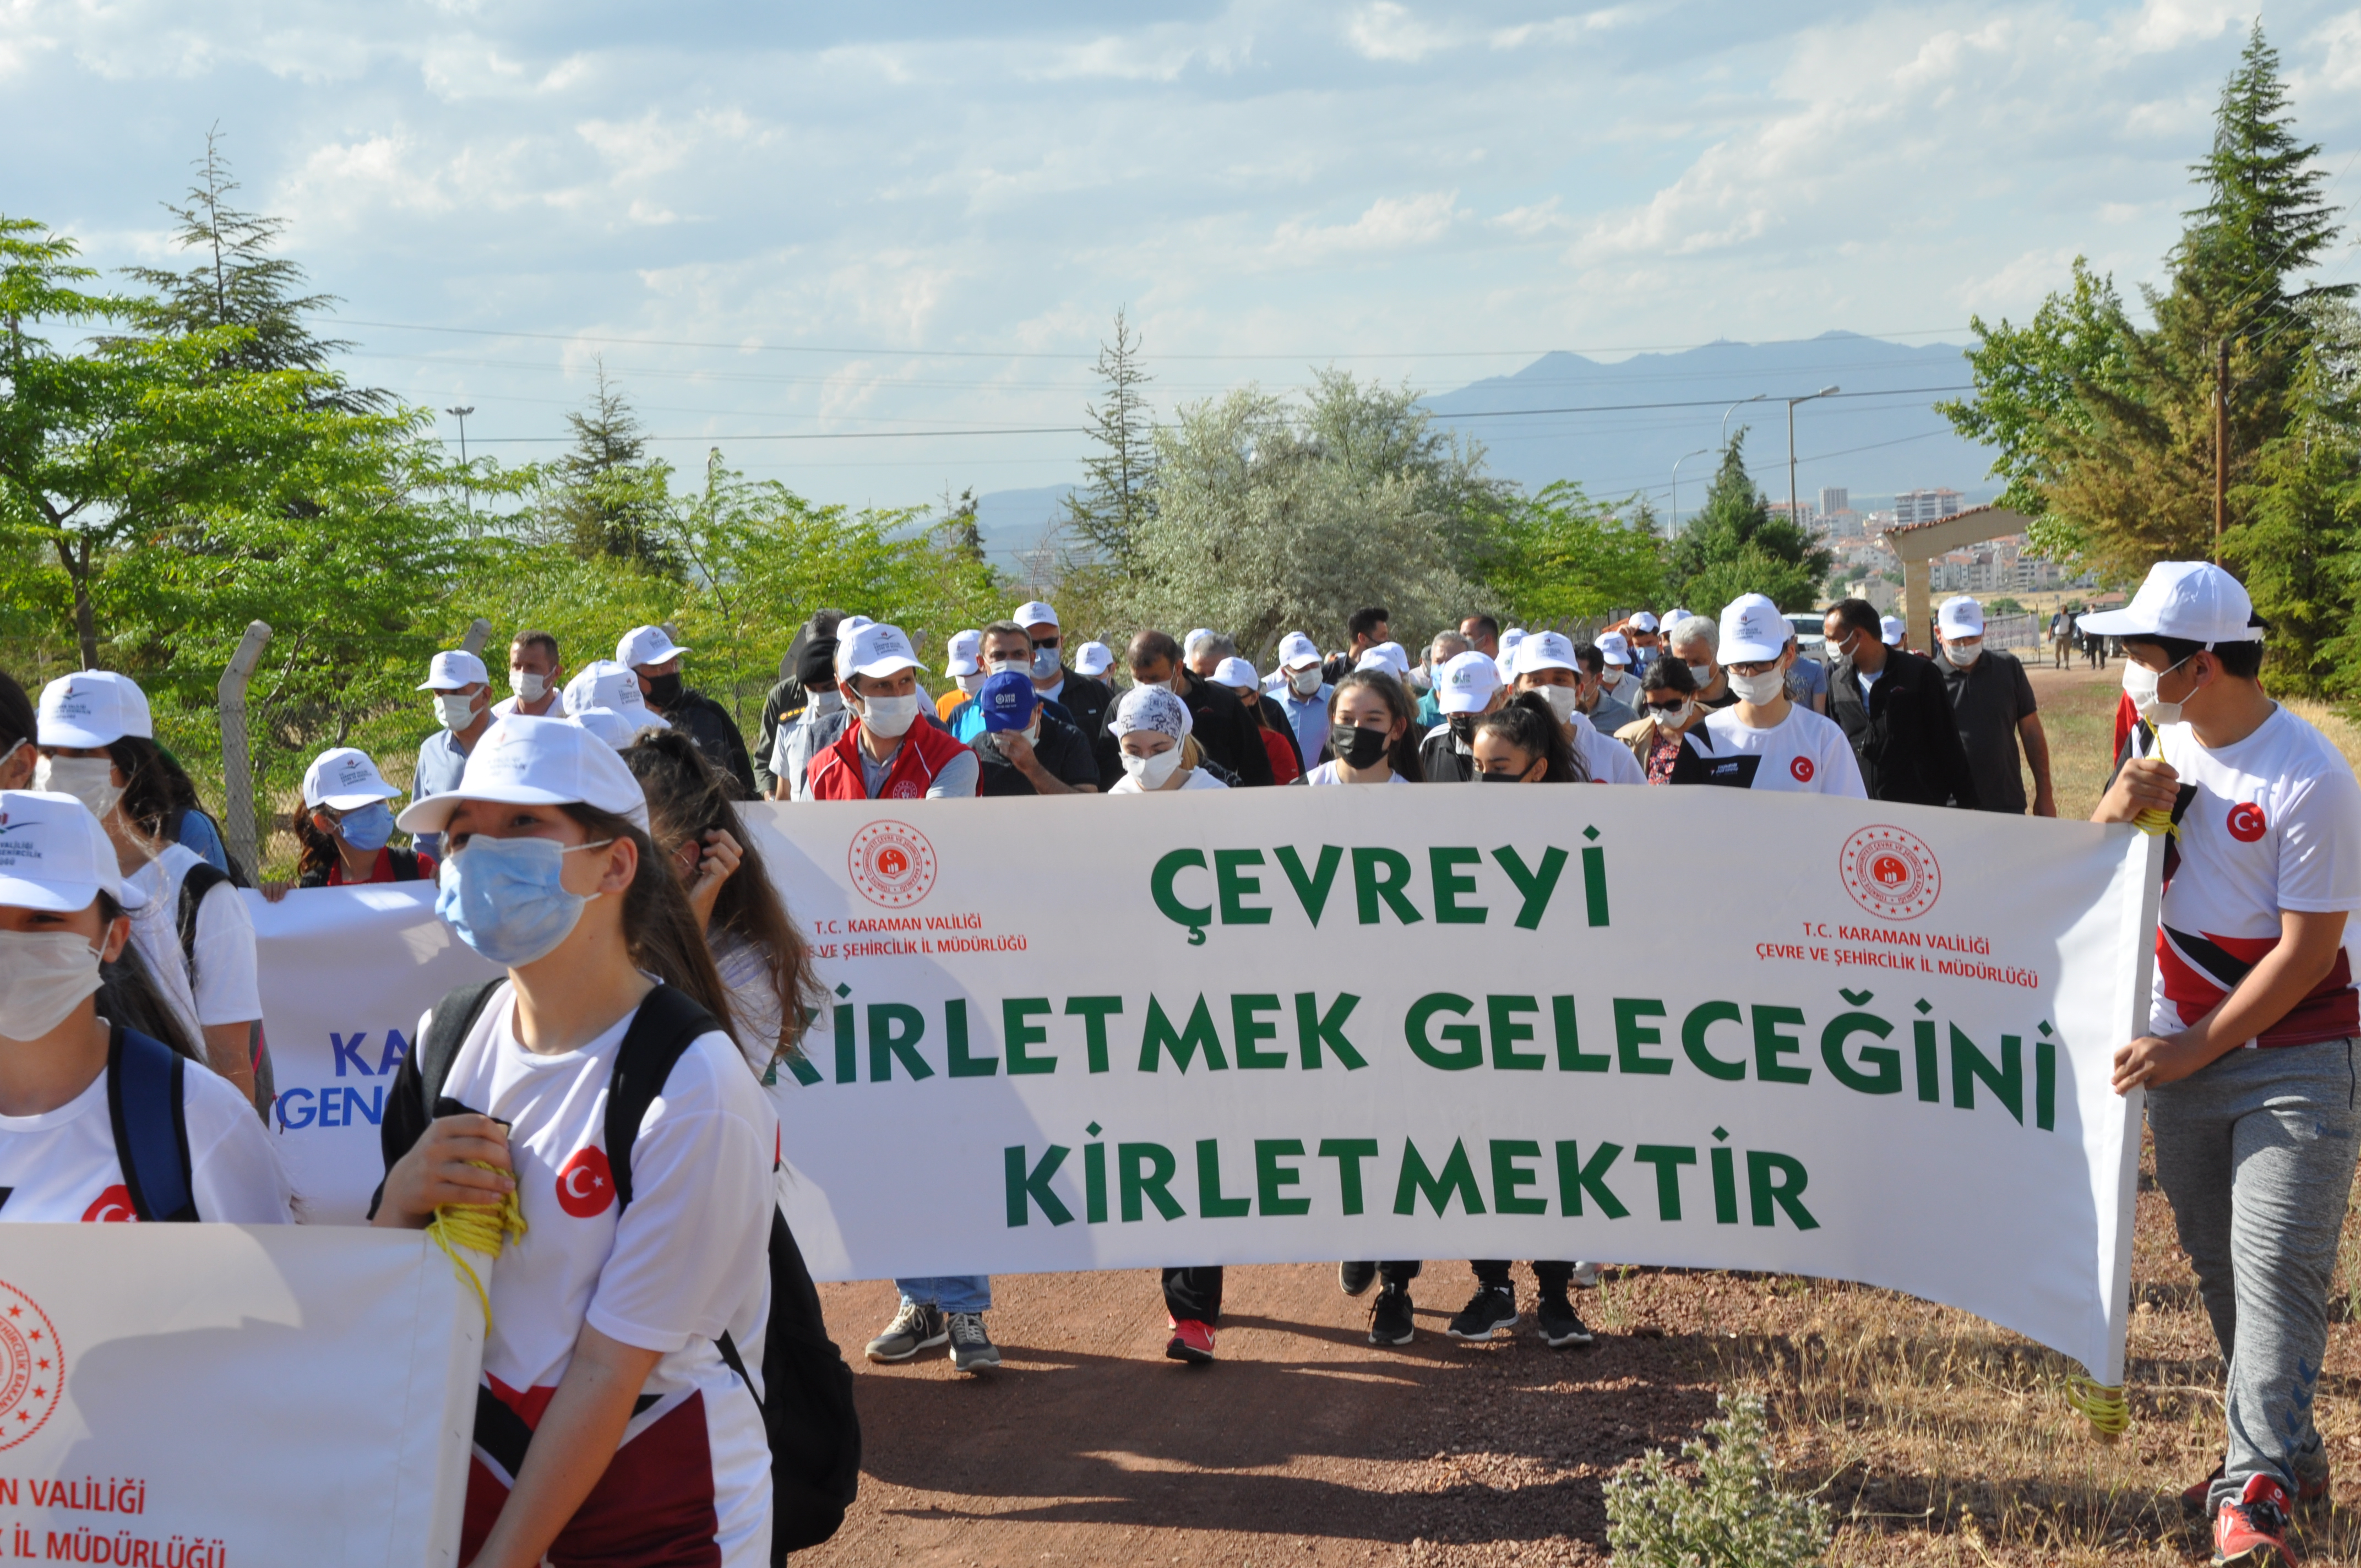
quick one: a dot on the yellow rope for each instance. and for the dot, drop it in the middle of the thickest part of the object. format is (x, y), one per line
(2155, 819)
(2102, 1405)
(479, 1227)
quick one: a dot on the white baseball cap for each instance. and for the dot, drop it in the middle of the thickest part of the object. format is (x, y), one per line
(1961, 616)
(1614, 647)
(1386, 656)
(602, 683)
(1466, 682)
(54, 856)
(1510, 638)
(452, 670)
(92, 707)
(1644, 621)
(1296, 650)
(1752, 629)
(1093, 659)
(876, 650)
(1235, 671)
(537, 761)
(646, 645)
(1545, 650)
(1891, 628)
(346, 780)
(849, 625)
(2193, 600)
(1035, 614)
(616, 730)
(1674, 616)
(964, 649)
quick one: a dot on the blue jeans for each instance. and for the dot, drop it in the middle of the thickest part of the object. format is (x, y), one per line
(951, 1292)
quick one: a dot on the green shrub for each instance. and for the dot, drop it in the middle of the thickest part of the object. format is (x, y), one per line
(1734, 1517)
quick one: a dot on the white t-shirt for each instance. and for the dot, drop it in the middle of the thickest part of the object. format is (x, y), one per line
(1803, 753)
(685, 1262)
(62, 1164)
(2274, 823)
(507, 704)
(225, 989)
(1605, 760)
(1198, 779)
(1326, 773)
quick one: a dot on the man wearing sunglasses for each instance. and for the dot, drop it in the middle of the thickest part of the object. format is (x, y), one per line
(1086, 700)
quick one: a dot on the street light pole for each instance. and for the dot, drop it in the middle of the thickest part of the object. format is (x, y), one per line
(469, 494)
(1733, 409)
(1676, 486)
(1823, 393)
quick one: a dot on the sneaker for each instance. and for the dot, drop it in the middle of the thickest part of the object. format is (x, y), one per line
(2310, 1491)
(1390, 1317)
(1585, 1277)
(1561, 1326)
(1192, 1342)
(2251, 1531)
(1490, 1309)
(971, 1348)
(1353, 1278)
(918, 1326)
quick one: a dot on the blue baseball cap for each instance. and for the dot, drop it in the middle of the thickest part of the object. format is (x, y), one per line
(1006, 700)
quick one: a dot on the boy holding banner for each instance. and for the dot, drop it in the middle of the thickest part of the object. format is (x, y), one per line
(2250, 1061)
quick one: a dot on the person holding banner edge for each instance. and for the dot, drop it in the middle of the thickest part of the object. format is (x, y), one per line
(2250, 1062)
(611, 1317)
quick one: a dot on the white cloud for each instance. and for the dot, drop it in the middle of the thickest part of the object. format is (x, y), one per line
(1388, 31)
(2168, 24)
(1540, 218)
(2340, 41)
(1388, 223)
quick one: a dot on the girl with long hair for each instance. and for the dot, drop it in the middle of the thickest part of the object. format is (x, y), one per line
(1372, 732)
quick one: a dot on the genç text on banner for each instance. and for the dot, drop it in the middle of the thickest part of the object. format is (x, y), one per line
(234, 1396)
(1701, 1028)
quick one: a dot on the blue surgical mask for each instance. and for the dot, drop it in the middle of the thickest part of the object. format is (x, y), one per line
(368, 827)
(504, 898)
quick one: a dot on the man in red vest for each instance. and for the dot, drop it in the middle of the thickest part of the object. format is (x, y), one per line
(888, 752)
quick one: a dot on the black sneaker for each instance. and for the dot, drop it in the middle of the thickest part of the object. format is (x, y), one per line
(916, 1327)
(1492, 1309)
(1353, 1278)
(1560, 1324)
(1390, 1317)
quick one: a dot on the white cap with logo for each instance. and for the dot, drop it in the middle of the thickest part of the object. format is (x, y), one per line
(876, 650)
(345, 779)
(1961, 616)
(92, 707)
(452, 670)
(963, 648)
(1674, 616)
(1296, 650)
(646, 645)
(54, 856)
(1752, 630)
(1036, 613)
(1644, 621)
(1386, 656)
(523, 760)
(1466, 682)
(1235, 671)
(1892, 627)
(602, 683)
(1093, 659)
(1614, 647)
(1545, 650)
(2195, 601)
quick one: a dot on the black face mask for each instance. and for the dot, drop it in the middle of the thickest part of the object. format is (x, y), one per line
(1500, 778)
(664, 690)
(1360, 747)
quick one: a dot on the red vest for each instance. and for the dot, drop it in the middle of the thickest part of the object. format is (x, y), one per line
(837, 772)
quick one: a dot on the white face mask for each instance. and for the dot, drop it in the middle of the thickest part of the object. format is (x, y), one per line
(969, 684)
(1151, 686)
(454, 711)
(1674, 720)
(529, 686)
(1305, 680)
(90, 780)
(826, 702)
(1611, 676)
(1963, 654)
(2140, 682)
(1702, 675)
(1005, 663)
(1152, 771)
(44, 975)
(1759, 689)
(1045, 663)
(889, 716)
(1565, 701)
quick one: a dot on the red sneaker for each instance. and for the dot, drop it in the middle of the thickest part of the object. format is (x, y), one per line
(2310, 1492)
(2252, 1532)
(1192, 1342)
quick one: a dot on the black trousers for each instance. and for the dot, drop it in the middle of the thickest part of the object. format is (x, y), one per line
(1553, 1277)
(1193, 1293)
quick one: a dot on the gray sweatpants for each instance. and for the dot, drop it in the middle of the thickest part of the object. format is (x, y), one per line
(2256, 1153)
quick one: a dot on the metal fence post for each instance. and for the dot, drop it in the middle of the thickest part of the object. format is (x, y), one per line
(238, 771)
(473, 642)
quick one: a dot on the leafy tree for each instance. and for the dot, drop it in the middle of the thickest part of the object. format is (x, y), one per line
(1558, 555)
(1734, 545)
(1108, 512)
(606, 496)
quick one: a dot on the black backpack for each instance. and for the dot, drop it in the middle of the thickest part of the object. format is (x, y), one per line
(808, 1410)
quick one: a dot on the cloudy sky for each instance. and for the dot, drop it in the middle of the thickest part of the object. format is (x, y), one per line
(906, 216)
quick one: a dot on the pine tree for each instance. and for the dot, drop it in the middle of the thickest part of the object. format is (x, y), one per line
(237, 282)
(1733, 545)
(609, 500)
(1121, 494)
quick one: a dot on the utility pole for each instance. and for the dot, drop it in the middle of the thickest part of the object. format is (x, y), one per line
(1677, 486)
(469, 494)
(2221, 444)
(1823, 393)
(1733, 409)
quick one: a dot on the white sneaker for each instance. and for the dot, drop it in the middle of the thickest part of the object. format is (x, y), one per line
(1585, 1277)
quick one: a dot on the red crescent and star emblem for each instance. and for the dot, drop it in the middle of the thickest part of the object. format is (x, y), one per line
(32, 1366)
(1802, 768)
(111, 1207)
(585, 1183)
(2247, 822)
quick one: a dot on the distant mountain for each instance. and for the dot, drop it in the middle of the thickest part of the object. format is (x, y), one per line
(1873, 445)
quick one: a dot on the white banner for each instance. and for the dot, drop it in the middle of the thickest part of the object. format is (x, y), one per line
(233, 1397)
(1702, 1027)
